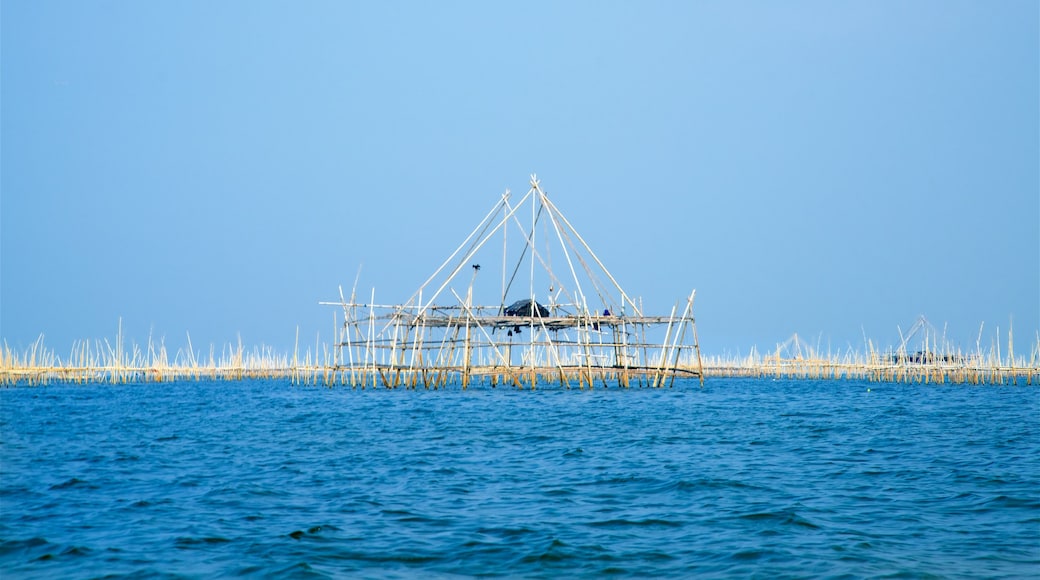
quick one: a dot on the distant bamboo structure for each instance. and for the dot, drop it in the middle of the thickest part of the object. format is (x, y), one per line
(934, 362)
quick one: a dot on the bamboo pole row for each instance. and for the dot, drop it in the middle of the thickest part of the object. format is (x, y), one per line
(93, 362)
(19, 372)
(881, 373)
(934, 362)
(98, 362)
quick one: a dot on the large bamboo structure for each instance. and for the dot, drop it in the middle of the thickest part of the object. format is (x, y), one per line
(933, 360)
(580, 327)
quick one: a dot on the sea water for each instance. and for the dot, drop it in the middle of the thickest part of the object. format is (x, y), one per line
(738, 478)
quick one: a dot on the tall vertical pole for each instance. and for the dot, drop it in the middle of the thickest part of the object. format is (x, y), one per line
(532, 246)
(505, 235)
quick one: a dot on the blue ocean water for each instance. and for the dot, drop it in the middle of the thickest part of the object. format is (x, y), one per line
(739, 478)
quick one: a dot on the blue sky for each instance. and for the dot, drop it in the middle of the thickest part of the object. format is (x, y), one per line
(833, 169)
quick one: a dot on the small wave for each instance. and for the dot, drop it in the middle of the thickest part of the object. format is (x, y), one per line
(19, 491)
(702, 484)
(1006, 502)
(506, 532)
(559, 492)
(648, 481)
(72, 551)
(40, 550)
(76, 551)
(652, 556)
(8, 547)
(556, 552)
(783, 517)
(406, 558)
(439, 522)
(143, 503)
(299, 570)
(621, 523)
(446, 471)
(267, 492)
(74, 482)
(190, 542)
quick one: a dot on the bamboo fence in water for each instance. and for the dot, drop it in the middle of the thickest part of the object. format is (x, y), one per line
(94, 363)
(933, 361)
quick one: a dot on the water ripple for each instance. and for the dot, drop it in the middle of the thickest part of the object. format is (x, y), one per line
(741, 478)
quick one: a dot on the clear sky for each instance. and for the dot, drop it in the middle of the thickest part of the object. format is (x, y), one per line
(831, 169)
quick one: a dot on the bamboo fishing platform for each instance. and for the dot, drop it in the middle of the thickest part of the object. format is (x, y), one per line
(572, 325)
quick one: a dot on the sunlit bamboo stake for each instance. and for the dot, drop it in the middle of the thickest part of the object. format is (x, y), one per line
(664, 352)
(679, 338)
(585, 338)
(370, 342)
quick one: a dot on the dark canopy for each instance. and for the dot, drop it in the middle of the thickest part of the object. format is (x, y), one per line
(527, 307)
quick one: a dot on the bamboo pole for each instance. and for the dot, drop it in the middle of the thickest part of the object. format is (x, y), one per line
(664, 351)
(679, 338)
